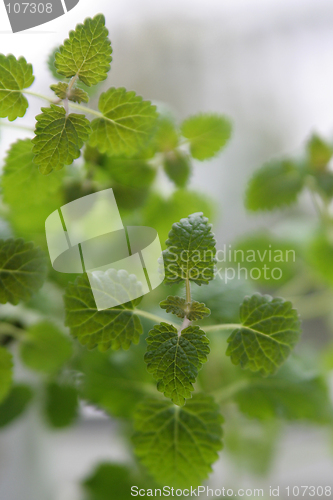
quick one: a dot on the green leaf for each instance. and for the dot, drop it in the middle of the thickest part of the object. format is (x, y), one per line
(207, 134)
(130, 172)
(22, 270)
(109, 477)
(191, 250)
(177, 167)
(125, 125)
(178, 445)
(324, 181)
(178, 306)
(76, 95)
(15, 76)
(61, 406)
(166, 138)
(174, 360)
(6, 372)
(117, 327)
(319, 254)
(274, 185)
(15, 404)
(86, 53)
(59, 138)
(45, 348)
(269, 330)
(60, 89)
(319, 152)
(20, 179)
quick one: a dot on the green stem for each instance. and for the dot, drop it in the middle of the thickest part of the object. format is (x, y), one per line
(153, 317)
(36, 94)
(223, 326)
(222, 395)
(13, 125)
(188, 291)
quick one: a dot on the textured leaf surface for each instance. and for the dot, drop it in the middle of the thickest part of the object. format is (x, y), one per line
(15, 404)
(15, 76)
(178, 445)
(125, 125)
(75, 94)
(270, 329)
(45, 348)
(175, 360)
(86, 53)
(207, 134)
(59, 138)
(117, 327)
(178, 306)
(274, 185)
(191, 251)
(6, 372)
(22, 270)
(61, 405)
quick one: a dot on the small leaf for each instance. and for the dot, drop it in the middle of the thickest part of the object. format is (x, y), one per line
(178, 306)
(319, 152)
(125, 125)
(59, 138)
(6, 372)
(15, 404)
(60, 89)
(319, 254)
(22, 270)
(86, 53)
(191, 251)
(174, 360)
(324, 181)
(177, 167)
(75, 94)
(166, 137)
(45, 348)
(111, 477)
(274, 185)
(207, 134)
(178, 445)
(15, 76)
(78, 95)
(269, 330)
(61, 406)
(117, 327)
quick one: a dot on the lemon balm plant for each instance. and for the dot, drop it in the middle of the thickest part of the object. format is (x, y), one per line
(135, 364)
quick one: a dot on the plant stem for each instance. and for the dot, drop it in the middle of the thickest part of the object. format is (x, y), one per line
(188, 291)
(13, 125)
(153, 317)
(223, 326)
(36, 94)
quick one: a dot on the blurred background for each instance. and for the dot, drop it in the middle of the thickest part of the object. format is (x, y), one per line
(267, 64)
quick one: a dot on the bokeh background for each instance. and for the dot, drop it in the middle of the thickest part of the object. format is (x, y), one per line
(268, 65)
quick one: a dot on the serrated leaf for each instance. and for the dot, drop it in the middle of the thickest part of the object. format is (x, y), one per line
(274, 185)
(59, 138)
(125, 125)
(74, 94)
(78, 95)
(86, 53)
(20, 179)
(15, 403)
(178, 306)
(178, 445)
(269, 330)
(61, 405)
(45, 348)
(60, 89)
(177, 167)
(207, 134)
(15, 76)
(190, 251)
(22, 270)
(117, 327)
(319, 152)
(6, 372)
(174, 360)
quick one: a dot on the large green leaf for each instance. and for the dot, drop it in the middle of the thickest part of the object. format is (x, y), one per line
(15, 76)
(61, 405)
(207, 134)
(178, 306)
(59, 138)
(269, 330)
(191, 250)
(86, 53)
(6, 372)
(45, 348)
(174, 360)
(117, 327)
(178, 445)
(125, 125)
(15, 403)
(22, 270)
(274, 185)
